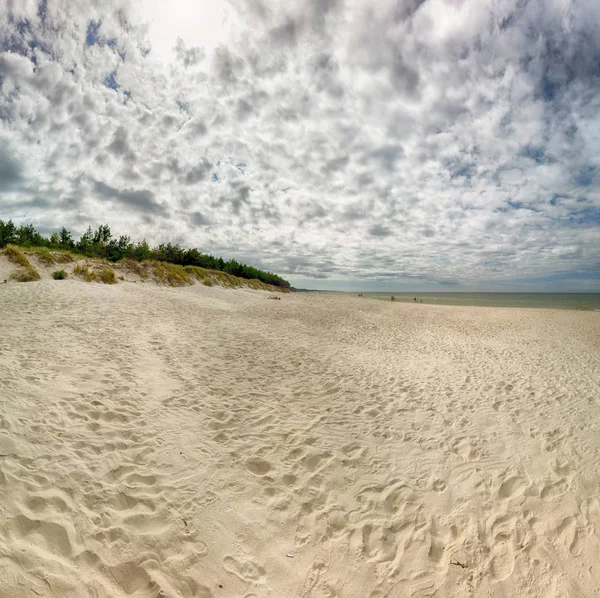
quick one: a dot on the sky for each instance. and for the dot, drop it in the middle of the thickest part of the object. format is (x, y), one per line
(343, 144)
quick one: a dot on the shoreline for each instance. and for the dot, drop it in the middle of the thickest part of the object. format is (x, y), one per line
(594, 298)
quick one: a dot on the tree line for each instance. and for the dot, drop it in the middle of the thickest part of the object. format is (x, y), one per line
(101, 244)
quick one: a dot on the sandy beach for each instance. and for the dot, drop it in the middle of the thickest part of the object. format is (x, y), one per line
(203, 442)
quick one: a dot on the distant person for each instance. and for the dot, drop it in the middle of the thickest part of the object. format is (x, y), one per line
(415, 299)
(393, 298)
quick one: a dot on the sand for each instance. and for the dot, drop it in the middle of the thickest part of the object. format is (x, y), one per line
(203, 442)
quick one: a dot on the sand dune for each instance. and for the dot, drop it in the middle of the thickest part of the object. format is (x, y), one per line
(203, 442)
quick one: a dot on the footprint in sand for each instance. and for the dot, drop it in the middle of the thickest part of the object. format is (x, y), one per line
(502, 562)
(247, 570)
(258, 466)
(512, 487)
(439, 485)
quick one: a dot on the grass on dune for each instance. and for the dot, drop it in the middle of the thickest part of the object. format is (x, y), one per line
(59, 275)
(210, 278)
(27, 273)
(108, 275)
(16, 256)
(139, 268)
(84, 272)
(199, 274)
(65, 257)
(45, 257)
(171, 274)
(56, 256)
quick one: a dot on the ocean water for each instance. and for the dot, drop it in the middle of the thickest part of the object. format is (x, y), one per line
(580, 301)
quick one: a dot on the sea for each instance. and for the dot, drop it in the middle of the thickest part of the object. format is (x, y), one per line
(579, 301)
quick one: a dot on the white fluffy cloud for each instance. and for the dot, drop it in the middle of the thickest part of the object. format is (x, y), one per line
(433, 141)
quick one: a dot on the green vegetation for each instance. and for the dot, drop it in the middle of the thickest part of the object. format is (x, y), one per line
(27, 273)
(171, 274)
(101, 244)
(59, 275)
(211, 277)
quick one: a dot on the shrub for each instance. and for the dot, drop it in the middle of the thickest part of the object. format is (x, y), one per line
(108, 276)
(59, 275)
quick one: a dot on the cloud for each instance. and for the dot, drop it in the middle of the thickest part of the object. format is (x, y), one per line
(142, 200)
(199, 219)
(411, 140)
(10, 172)
(380, 231)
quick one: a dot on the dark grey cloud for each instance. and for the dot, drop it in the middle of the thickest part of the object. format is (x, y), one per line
(285, 33)
(140, 200)
(10, 172)
(379, 230)
(197, 173)
(37, 203)
(388, 155)
(119, 145)
(196, 128)
(199, 219)
(335, 165)
(355, 212)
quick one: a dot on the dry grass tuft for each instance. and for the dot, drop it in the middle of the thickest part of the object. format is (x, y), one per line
(198, 273)
(27, 273)
(84, 272)
(64, 257)
(16, 256)
(227, 280)
(139, 268)
(44, 256)
(108, 275)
